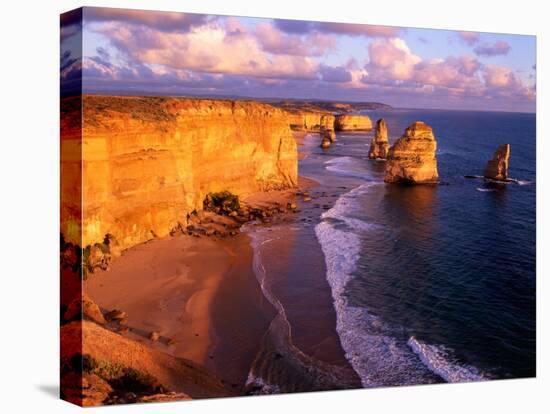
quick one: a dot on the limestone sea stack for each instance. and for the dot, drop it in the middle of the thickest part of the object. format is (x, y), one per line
(345, 122)
(327, 128)
(497, 168)
(411, 160)
(379, 145)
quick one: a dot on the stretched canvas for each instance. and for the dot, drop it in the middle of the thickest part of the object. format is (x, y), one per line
(263, 206)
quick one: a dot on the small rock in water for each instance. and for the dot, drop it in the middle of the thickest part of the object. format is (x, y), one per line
(306, 199)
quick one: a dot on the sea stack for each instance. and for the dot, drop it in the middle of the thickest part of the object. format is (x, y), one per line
(411, 160)
(379, 145)
(497, 168)
(326, 129)
(345, 122)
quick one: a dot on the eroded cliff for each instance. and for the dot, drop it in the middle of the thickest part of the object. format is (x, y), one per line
(148, 162)
(344, 122)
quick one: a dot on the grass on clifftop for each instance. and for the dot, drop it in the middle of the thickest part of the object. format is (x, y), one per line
(149, 109)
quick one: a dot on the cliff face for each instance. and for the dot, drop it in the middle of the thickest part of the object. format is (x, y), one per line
(411, 160)
(497, 168)
(147, 162)
(305, 120)
(379, 145)
(352, 123)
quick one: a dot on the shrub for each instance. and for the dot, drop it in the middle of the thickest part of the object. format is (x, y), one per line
(223, 202)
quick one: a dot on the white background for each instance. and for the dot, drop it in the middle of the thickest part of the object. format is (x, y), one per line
(29, 174)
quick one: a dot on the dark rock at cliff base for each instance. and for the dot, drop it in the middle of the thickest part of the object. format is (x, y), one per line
(84, 308)
(116, 315)
(379, 145)
(326, 143)
(497, 168)
(411, 160)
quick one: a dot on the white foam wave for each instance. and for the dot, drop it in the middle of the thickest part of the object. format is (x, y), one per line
(347, 166)
(260, 386)
(486, 190)
(440, 361)
(377, 357)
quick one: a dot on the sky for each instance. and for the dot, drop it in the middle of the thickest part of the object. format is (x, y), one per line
(135, 52)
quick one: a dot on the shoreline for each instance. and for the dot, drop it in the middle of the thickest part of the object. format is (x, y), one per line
(165, 288)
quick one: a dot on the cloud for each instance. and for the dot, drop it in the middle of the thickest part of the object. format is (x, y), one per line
(207, 48)
(499, 76)
(162, 21)
(457, 73)
(350, 29)
(391, 59)
(498, 48)
(501, 82)
(338, 74)
(470, 38)
(276, 41)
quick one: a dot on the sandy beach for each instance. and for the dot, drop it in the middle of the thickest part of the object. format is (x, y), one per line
(200, 294)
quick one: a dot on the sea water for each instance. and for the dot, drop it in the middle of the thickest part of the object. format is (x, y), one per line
(428, 283)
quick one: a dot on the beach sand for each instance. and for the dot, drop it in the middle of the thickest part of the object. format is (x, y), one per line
(199, 293)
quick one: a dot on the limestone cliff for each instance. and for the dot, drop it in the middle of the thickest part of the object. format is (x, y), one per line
(497, 168)
(411, 160)
(305, 120)
(344, 122)
(147, 162)
(379, 145)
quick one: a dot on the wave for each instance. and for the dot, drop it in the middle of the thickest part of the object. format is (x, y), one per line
(299, 372)
(377, 352)
(486, 190)
(378, 357)
(440, 360)
(348, 167)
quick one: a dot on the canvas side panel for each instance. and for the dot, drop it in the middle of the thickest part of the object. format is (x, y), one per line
(71, 206)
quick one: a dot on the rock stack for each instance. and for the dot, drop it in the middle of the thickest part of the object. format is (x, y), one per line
(379, 146)
(326, 130)
(497, 168)
(411, 160)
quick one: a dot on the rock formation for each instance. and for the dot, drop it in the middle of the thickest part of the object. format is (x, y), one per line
(147, 162)
(379, 145)
(326, 142)
(497, 168)
(411, 160)
(305, 121)
(98, 364)
(327, 130)
(345, 122)
(327, 123)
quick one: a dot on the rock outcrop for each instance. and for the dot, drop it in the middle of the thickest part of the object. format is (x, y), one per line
(326, 142)
(327, 128)
(344, 122)
(148, 162)
(305, 120)
(379, 145)
(411, 160)
(99, 367)
(497, 168)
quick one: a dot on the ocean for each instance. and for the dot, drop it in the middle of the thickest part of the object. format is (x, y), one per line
(382, 285)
